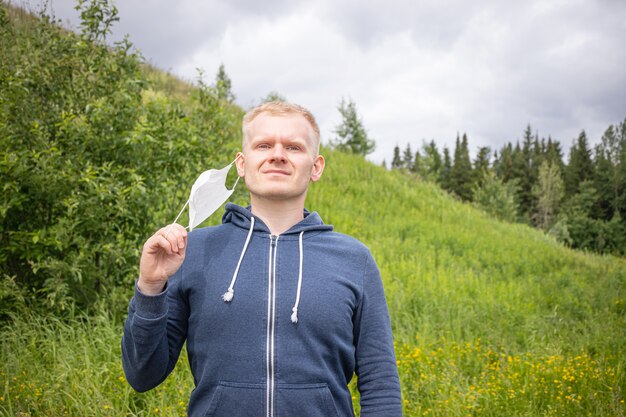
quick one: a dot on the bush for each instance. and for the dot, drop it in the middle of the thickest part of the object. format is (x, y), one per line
(91, 159)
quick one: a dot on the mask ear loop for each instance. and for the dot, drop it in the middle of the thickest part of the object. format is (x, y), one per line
(169, 229)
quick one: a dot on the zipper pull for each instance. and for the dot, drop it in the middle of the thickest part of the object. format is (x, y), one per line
(273, 239)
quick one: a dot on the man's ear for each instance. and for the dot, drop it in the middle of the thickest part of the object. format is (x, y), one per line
(240, 164)
(318, 168)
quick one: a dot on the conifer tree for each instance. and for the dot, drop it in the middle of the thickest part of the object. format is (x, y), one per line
(431, 162)
(554, 154)
(521, 174)
(396, 162)
(526, 171)
(445, 174)
(462, 170)
(620, 170)
(580, 165)
(407, 157)
(481, 165)
(504, 166)
(223, 85)
(416, 166)
(351, 134)
(604, 180)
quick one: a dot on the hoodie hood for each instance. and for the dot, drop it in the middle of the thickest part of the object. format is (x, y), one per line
(242, 217)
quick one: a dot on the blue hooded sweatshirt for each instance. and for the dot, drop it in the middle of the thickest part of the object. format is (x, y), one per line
(275, 326)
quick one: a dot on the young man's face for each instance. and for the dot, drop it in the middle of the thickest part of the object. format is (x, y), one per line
(279, 158)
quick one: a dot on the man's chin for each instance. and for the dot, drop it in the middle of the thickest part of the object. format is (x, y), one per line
(277, 195)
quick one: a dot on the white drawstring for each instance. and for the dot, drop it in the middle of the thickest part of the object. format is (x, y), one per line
(294, 315)
(228, 295)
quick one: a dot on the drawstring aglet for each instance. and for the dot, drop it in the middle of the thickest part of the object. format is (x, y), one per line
(228, 295)
(294, 315)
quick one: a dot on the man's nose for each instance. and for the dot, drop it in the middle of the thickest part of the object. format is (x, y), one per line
(279, 153)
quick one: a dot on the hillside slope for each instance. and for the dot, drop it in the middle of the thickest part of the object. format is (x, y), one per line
(500, 279)
(465, 289)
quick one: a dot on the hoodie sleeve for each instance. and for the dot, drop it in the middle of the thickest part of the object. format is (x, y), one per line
(376, 367)
(154, 333)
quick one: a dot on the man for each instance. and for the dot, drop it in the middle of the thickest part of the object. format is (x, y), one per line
(278, 311)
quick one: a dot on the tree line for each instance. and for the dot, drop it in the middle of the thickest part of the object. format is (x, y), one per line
(582, 202)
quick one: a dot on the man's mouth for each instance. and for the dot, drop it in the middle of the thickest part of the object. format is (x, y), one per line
(276, 172)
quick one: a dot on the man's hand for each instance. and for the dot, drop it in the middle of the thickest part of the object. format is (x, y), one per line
(161, 257)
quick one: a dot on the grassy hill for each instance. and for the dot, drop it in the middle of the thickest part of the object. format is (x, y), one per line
(489, 318)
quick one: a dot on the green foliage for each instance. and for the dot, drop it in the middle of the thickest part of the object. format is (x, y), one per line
(461, 171)
(430, 162)
(497, 198)
(351, 134)
(481, 166)
(549, 192)
(274, 96)
(223, 85)
(445, 173)
(91, 159)
(580, 166)
(539, 196)
(396, 162)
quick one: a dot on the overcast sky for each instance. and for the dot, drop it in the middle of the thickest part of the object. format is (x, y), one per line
(417, 70)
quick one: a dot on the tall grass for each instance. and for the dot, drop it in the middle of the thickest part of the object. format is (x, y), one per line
(489, 318)
(52, 367)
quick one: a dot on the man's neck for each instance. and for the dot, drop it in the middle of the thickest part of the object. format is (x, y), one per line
(279, 216)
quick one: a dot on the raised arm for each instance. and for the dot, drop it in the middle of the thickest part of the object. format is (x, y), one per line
(156, 326)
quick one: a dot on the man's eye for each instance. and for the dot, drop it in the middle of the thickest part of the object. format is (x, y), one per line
(263, 146)
(293, 148)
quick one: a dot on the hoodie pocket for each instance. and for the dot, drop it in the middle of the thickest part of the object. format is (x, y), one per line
(305, 400)
(232, 399)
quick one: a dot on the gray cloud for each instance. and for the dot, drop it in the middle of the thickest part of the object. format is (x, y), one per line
(424, 70)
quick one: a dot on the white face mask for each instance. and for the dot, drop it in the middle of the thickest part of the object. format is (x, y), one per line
(208, 193)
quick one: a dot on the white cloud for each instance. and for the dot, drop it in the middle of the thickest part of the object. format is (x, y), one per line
(416, 70)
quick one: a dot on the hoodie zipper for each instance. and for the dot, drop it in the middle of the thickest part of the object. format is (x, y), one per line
(271, 316)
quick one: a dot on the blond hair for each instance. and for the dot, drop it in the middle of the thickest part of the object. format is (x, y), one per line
(282, 108)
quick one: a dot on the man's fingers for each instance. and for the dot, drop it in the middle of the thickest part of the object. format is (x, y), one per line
(164, 244)
(176, 235)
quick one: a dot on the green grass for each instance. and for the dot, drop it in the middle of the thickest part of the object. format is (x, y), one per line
(489, 318)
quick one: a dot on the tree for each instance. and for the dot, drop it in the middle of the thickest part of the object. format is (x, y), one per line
(577, 213)
(430, 164)
(621, 169)
(549, 192)
(396, 162)
(274, 96)
(481, 165)
(462, 170)
(554, 154)
(522, 174)
(445, 175)
(407, 157)
(503, 166)
(223, 85)
(498, 198)
(604, 180)
(351, 134)
(416, 166)
(580, 166)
